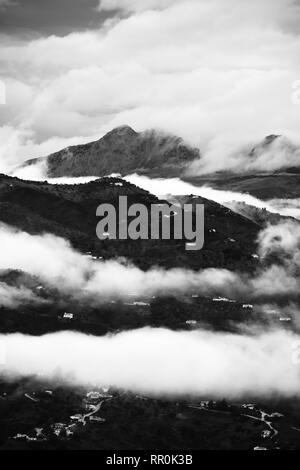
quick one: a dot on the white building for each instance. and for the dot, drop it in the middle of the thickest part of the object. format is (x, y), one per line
(68, 316)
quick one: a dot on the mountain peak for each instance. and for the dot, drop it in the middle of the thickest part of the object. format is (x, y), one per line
(269, 139)
(123, 151)
(265, 143)
(121, 131)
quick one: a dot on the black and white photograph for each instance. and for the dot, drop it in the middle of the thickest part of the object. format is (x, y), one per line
(149, 228)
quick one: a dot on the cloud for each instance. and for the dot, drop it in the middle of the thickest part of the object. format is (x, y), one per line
(256, 156)
(174, 186)
(164, 188)
(58, 265)
(287, 207)
(54, 259)
(6, 3)
(217, 73)
(279, 245)
(130, 6)
(159, 361)
(18, 143)
(282, 239)
(12, 297)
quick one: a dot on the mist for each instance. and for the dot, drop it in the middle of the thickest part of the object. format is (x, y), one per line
(13, 297)
(248, 157)
(161, 362)
(286, 207)
(38, 172)
(174, 186)
(58, 265)
(165, 187)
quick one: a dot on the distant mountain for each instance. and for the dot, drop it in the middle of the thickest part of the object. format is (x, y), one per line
(122, 151)
(284, 184)
(264, 145)
(268, 170)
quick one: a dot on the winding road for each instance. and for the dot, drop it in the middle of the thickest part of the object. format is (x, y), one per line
(263, 417)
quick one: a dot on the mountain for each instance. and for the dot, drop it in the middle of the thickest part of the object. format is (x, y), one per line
(283, 184)
(122, 151)
(267, 170)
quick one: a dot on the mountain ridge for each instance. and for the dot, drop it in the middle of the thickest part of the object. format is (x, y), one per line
(122, 151)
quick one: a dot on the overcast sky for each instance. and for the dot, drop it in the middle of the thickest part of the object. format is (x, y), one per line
(217, 72)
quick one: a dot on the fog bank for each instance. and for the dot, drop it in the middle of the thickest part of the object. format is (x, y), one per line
(159, 361)
(55, 262)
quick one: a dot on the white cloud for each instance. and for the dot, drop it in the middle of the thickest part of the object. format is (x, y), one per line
(12, 297)
(57, 264)
(17, 145)
(60, 266)
(159, 361)
(163, 188)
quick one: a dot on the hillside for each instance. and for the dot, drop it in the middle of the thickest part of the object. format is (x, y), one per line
(265, 186)
(69, 211)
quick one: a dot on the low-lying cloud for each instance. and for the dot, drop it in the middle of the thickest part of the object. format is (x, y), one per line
(249, 157)
(57, 264)
(160, 361)
(162, 187)
(14, 297)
